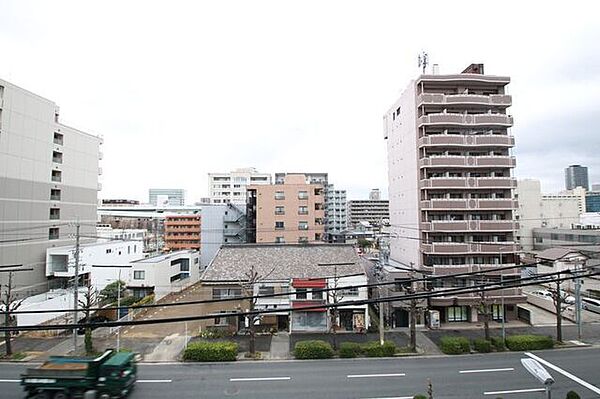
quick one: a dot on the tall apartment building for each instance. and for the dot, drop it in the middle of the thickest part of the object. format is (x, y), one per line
(576, 176)
(289, 212)
(335, 212)
(376, 212)
(48, 181)
(225, 188)
(537, 210)
(450, 184)
(166, 196)
(182, 232)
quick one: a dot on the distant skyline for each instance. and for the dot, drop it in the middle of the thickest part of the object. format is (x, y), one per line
(182, 89)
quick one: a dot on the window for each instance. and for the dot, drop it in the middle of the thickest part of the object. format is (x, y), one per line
(222, 320)
(57, 157)
(457, 313)
(266, 290)
(279, 195)
(53, 233)
(317, 295)
(58, 138)
(496, 312)
(279, 226)
(280, 210)
(128, 250)
(55, 194)
(302, 225)
(139, 274)
(309, 321)
(54, 213)
(56, 176)
(108, 250)
(301, 293)
(302, 240)
(302, 210)
(302, 195)
(279, 240)
(221, 293)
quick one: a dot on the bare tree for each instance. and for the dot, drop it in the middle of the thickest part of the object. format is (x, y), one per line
(335, 297)
(9, 303)
(252, 279)
(89, 300)
(484, 310)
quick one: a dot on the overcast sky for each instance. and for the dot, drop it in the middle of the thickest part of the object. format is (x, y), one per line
(179, 89)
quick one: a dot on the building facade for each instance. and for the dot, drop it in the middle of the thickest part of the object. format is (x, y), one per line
(225, 188)
(576, 176)
(166, 196)
(375, 194)
(48, 181)
(289, 212)
(375, 212)
(335, 212)
(451, 185)
(182, 232)
(592, 201)
(536, 210)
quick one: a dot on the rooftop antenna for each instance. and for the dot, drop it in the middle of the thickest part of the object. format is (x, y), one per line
(423, 61)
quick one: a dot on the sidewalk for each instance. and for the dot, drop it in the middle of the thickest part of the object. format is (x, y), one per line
(280, 346)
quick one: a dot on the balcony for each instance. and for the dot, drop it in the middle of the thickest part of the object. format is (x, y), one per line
(470, 140)
(468, 119)
(467, 204)
(182, 223)
(469, 225)
(450, 161)
(442, 270)
(500, 100)
(468, 182)
(169, 237)
(450, 248)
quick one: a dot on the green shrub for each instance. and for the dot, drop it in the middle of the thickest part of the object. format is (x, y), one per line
(498, 344)
(529, 342)
(211, 352)
(375, 349)
(573, 395)
(482, 346)
(313, 350)
(215, 333)
(454, 345)
(148, 299)
(350, 349)
(128, 300)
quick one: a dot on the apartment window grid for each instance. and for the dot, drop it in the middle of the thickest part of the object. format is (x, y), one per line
(302, 225)
(139, 274)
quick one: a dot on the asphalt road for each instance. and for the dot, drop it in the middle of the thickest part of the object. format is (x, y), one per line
(498, 375)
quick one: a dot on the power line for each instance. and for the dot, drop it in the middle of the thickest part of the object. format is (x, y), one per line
(442, 293)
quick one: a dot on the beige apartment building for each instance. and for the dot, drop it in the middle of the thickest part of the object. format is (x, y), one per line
(291, 212)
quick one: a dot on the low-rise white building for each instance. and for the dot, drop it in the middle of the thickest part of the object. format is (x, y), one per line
(99, 263)
(163, 274)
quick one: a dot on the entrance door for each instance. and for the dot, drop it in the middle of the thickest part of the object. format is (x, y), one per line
(283, 323)
(346, 320)
(400, 318)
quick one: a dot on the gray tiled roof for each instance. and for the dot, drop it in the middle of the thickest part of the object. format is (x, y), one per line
(285, 260)
(555, 253)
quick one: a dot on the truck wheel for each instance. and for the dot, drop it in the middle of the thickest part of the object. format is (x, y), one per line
(41, 395)
(105, 396)
(61, 395)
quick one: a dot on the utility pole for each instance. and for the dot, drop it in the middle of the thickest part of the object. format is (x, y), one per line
(413, 310)
(578, 300)
(76, 286)
(381, 326)
(502, 292)
(558, 304)
(10, 305)
(156, 236)
(119, 311)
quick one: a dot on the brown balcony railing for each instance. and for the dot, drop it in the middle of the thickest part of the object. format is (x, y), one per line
(468, 182)
(468, 161)
(468, 119)
(472, 203)
(504, 100)
(500, 140)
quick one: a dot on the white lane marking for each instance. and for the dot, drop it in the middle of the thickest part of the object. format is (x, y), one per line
(261, 379)
(578, 380)
(485, 370)
(515, 391)
(375, 375)
(10, 380)
(156, 381)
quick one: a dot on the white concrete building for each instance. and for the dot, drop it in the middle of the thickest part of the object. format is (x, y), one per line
(48, 181)
(99, 263)
(163, 274)
(537, 210)
(225, 188)
(163, 197)
(335, 212)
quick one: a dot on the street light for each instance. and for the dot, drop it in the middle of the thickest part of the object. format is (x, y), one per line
(539, 372)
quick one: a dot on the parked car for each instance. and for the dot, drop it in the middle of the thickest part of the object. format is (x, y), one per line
(593, 305)
(543, 293)
(569, 300)
(93, 319)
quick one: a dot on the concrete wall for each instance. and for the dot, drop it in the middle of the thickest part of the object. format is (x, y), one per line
(403, 178)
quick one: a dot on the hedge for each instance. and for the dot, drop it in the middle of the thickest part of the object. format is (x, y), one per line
(313, 350)
(482, 345)
(529, 342)
(498, 344)
(350, 349)
(375, 349)
(211, 352)
(454, 345)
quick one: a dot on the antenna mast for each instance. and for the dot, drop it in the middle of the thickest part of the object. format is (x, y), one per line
(423, 61)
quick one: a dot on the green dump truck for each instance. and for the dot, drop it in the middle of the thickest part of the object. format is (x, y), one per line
(111, 375)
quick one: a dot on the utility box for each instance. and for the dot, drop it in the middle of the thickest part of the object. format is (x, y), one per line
(434, 319)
